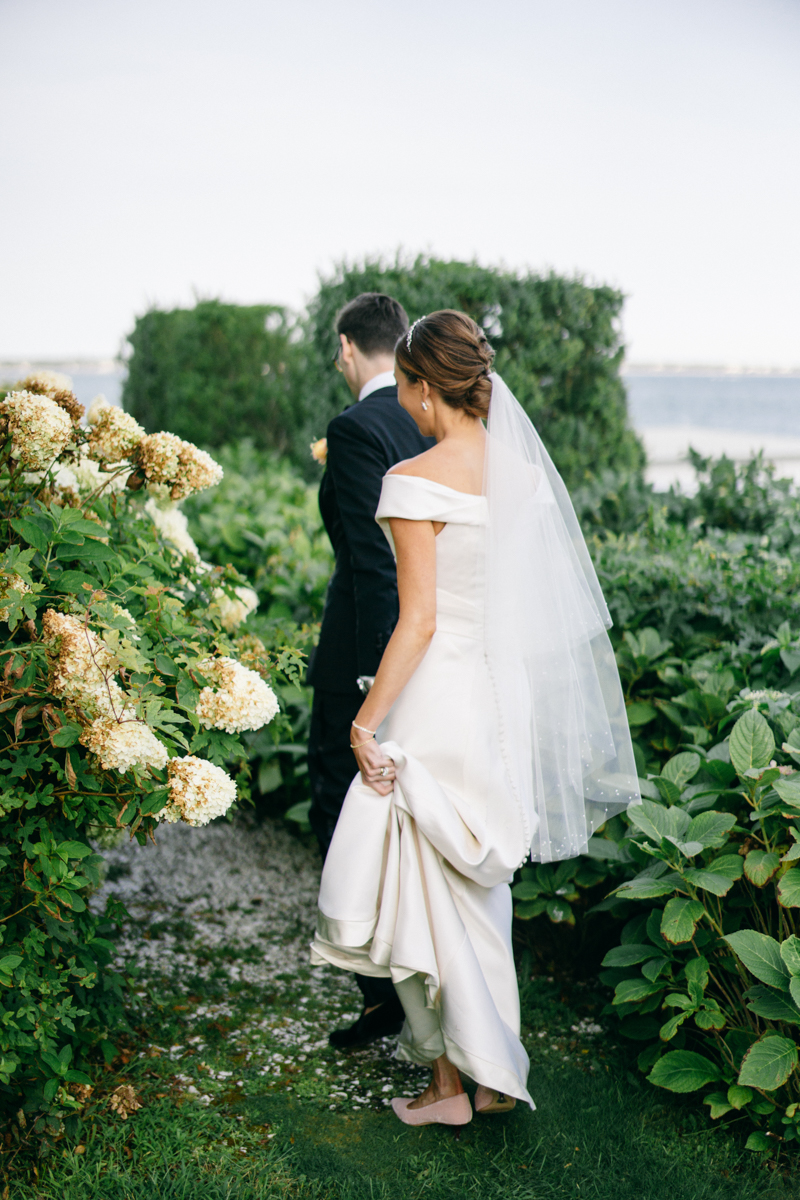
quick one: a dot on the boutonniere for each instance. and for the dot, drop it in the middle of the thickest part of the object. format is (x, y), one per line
(319, 451)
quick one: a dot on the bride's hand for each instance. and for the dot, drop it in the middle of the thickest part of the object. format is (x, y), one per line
(377, 771)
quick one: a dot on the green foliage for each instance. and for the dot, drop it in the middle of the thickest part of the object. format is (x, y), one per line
(97, 558)
(557, 343)
(264, 519)
(213, 373)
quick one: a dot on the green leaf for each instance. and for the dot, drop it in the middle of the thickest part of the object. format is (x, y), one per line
(165, 665)
(32, 534)
(50, 1088)
(718, 1103)
(529, 909)
(773, 1006)
(760, 866)
(788, 790)
(94, 551)
(760, 1143)
(739, 1097)
(761, 955)
(559, 911)
(684, 1071)
(67, 850)
(710, 828)
(667, 790)
(768, 1063)
(681, 768)
(9, 963)
(790, 953)
(679, 919)
(527, 890)
(639, 713)
(73, 581)
(789, 889)
(628, 955)
(603, 849)
(646, 889)
(658, 822)
(751, 744)
(709, 881)
(670, 1028)
(67, 735)
(630, 990)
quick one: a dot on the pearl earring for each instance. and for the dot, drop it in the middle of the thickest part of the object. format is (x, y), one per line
(424, 405)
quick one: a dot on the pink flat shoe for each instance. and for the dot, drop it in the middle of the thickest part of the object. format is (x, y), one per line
(455, 1110)
(487, 1100)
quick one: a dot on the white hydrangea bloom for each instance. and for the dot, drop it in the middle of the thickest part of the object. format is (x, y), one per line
(39, 429)
(95, 409)
(238, 699)
(763, 696)
(49, 382)
(168, 460)
(199, 791)
(232, 612)
(8, 583)
(81, 666)
(173, 526)
(113, 435)
(120, 745)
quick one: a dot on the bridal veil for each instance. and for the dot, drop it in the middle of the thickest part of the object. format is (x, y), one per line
(565, 741)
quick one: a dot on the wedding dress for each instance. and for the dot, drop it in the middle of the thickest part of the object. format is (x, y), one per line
(502, 739)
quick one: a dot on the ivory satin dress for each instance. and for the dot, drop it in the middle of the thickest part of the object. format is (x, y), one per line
(417, 882)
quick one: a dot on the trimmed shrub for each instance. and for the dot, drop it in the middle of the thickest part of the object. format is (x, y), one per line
(214, 373)
(557, 342)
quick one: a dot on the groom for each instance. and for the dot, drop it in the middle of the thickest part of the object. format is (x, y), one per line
(361, 607)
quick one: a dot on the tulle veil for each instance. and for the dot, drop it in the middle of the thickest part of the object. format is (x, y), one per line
(565, 740)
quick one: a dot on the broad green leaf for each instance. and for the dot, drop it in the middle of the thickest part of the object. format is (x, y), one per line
(773, 1006)
(604, 850)
(794, 989)
(710, 1017)
(646, 889)
(790, 953)
(788, 790)
(710, 828)
(73, 581)
(631, 990)
(67, 735)
(723, 772)
(658, 822)
(525, 890)
(708, 707)
(639, 713)
(760, 1143)
(681, 768)
(768, 1063)
(751, 744)
(529, 909)
(739, 1097)
(729, 865)
(709, 881)
(50, 1088)
(9, 962)
(684, 1071)
(31, 532)
(718, 1103)
(165, 665)
(679, 919)
(668, 1030)
(94, 551)
(627, 956)
(560, 912)
(759, 866)
(761, 955)
(789, 889)
(67, 850)
(667, 790)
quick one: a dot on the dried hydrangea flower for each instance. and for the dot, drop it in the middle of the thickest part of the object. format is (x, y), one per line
(198, 791)
(81, 666)
(167, 459)
(39, 429)
(238, 699)
(253, 654)
(173, 526)
(120, 745)
(232, 612)
(113, 435)
(95, 409)
(123, 1101)
(47, 383)
(10, 582)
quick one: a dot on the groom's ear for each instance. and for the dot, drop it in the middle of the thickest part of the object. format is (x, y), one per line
(347, 349)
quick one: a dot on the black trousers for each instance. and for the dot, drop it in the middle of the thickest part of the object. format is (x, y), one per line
(331, 767)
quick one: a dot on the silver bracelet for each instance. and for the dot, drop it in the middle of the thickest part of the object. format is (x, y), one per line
(364, 729)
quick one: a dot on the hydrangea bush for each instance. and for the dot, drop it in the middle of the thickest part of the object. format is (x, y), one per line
(125, 688)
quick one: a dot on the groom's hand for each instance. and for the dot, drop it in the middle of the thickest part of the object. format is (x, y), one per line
(377, 770)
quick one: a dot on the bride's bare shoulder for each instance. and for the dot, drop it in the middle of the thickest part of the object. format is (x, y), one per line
(458, 468)
(423, 465)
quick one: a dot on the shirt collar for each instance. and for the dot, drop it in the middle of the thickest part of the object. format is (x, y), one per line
(385, 379)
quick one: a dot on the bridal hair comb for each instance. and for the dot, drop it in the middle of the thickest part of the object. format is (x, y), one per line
(410, 333)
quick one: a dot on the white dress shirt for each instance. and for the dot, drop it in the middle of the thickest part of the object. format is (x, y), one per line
(385, 379)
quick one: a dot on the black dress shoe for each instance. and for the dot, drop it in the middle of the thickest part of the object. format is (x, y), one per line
(384, 1021)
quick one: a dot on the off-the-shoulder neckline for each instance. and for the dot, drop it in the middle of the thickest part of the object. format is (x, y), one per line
(433, 483)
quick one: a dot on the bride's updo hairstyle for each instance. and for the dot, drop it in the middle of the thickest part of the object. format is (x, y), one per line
(451, 352)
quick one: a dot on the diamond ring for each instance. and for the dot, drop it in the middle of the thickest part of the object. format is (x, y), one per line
(384, 771)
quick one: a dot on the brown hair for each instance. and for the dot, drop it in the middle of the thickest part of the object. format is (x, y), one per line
(451, 352)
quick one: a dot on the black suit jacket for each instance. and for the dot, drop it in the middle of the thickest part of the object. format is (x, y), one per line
(361, 608)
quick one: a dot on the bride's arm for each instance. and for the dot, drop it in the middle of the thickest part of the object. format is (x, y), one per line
(415, 547)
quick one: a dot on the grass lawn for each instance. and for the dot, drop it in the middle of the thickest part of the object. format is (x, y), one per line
(241, 1096)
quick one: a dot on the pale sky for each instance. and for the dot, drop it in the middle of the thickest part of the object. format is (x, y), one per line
(155, 149)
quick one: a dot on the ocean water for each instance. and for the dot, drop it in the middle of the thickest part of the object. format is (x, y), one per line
(754, 404)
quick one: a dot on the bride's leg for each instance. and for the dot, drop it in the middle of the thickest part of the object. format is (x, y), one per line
(428, 1041)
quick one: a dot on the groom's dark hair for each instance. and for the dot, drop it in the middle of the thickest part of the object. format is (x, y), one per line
(373, 321)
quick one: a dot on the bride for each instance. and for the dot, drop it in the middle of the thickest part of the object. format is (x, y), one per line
(495, 728)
